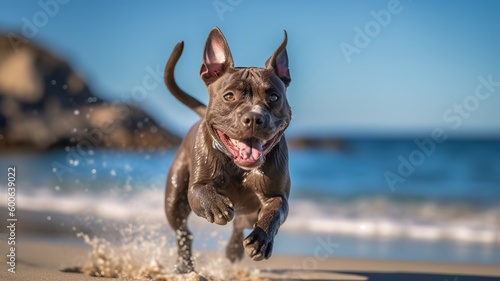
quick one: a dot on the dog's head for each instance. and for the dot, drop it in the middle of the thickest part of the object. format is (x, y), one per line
(248, 110)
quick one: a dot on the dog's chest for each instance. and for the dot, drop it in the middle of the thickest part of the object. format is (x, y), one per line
(241, 190)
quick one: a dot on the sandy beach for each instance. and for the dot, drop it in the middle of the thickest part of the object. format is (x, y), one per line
(43, 259)
(57, 249)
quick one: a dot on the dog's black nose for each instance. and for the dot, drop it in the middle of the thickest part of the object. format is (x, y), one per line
(252, 119)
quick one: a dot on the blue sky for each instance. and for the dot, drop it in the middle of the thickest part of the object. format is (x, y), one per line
(405, 81)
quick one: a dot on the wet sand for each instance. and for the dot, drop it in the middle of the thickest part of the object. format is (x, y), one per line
(43, 259)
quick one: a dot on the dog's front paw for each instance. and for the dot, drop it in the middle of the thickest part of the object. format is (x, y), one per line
(217, 208)
(258, 245)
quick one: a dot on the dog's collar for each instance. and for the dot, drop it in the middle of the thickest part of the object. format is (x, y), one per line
(218, 146)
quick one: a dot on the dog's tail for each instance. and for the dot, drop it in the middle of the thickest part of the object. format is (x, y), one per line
(182, 96)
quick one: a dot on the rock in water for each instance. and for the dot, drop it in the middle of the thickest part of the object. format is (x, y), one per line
(44, 103)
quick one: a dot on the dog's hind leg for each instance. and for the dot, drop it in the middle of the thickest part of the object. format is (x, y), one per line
(177, 210)
(235, 248)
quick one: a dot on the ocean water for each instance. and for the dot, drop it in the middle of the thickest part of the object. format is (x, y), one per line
(388, 199)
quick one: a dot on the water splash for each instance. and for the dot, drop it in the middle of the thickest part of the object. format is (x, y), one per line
(143, 253)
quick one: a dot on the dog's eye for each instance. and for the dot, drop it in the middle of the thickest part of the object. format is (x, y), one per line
(229, 97)
(273, 98)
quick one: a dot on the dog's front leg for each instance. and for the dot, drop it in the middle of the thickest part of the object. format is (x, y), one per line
(207, 203)
(259, 244)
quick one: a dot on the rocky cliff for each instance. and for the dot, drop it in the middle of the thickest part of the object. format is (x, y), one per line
(44, 103)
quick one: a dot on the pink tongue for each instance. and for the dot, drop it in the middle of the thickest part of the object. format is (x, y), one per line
(250, 150)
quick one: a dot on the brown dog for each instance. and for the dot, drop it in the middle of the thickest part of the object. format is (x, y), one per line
(233, 163)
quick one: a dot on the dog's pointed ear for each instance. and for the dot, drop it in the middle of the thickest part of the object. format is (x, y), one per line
(217, 57)
(279, 62)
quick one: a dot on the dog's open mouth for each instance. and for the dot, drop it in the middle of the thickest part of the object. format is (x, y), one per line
(247, 152)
